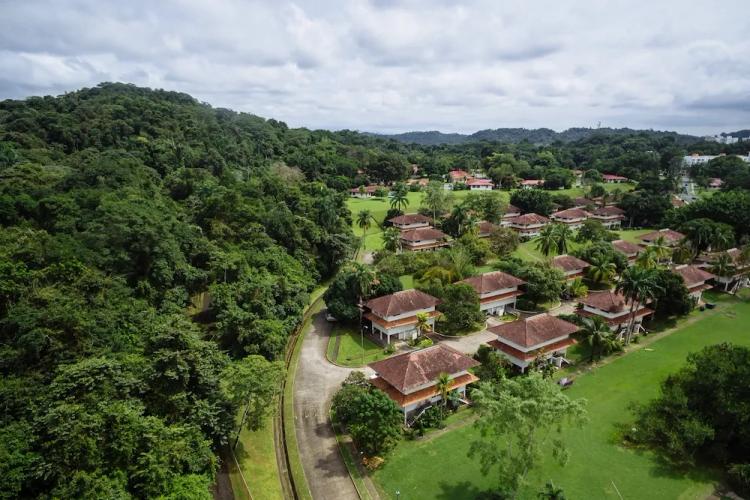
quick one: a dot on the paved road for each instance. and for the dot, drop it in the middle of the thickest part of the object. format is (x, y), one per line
(315, 383)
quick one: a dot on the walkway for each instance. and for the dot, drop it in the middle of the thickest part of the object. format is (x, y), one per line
(315, 383)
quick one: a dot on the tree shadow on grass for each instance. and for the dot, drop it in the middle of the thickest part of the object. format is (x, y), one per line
(458, 491)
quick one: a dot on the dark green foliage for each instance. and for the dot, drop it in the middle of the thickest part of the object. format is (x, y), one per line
(643, 208)
(119, 207)
(672, 298)
(460, 306)
(703, 412)
(543, 282)
(344, 292)
(532, 200)
(602, 251)
(593, 230)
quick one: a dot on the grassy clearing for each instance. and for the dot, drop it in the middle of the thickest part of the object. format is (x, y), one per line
(597, 459)
(576, 192)
(256, 454)
(350, 348)
(632, 235)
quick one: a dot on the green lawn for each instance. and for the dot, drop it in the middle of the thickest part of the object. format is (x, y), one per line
(256, 454)
(633, 235)
(439, 468)
(350, 348)
(576, 192)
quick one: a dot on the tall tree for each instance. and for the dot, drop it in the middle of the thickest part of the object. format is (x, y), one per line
(637, 285)
(548, 240)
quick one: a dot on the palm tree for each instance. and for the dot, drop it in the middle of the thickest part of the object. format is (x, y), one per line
(723, 267)
(551, 492)
(661, 249)
(595, 334)
(684, 253)
(563, 233)
(459, 263)
(399, 198)
(461, 218)
(443, 384)
(577, 288)
(602, 270)
(423, 323)
(547, 240)
(392, 239)
(638, 285)
(364, 221)
(647, 259)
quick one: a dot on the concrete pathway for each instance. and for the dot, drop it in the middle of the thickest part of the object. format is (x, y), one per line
(315, 383)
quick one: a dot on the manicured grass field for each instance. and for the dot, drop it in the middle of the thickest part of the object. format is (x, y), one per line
(599, 466)
(256, 454)
(633, 235)
(576, 192)
(350, 348)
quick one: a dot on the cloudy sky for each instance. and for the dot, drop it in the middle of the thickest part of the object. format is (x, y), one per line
(390, 66)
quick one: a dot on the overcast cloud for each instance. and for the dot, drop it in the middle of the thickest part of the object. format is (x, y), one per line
(394, 66)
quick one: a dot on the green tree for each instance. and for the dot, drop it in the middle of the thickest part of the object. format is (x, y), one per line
(520, 421)
(601, 270)
(535, 201)
(638, 285)
(460, 306)
(364, 222)
(598, 338)
(400, 197)
(547, 242)
(503, 241)
(392, 239)
(436, 199)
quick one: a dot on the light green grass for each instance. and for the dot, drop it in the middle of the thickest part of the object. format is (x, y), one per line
(633, 235)
(440, 468)
(407, 281)
(350, 348)
(256, 454)
(576, 192)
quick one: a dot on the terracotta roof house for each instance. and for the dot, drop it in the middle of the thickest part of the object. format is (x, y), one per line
(631, 250)
(425, 238)
(572, 267)
(364, 191)
(480, 185)
(523, 340)
(671, 238)
(484, 228)
(695, 279)
(410, 221)
(511, 211)
(613, 179)
(609, 216)
(676, 201)
(715, 183)
(583, 203)
(532, 183)
(738, 271)
(528, 225)
(420, 182)
(572, 217)
(458, 175)
(410, 379)
(497, 291)
(395, 315)
(613, 308)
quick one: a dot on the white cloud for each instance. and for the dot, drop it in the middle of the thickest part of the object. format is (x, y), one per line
(397, 66)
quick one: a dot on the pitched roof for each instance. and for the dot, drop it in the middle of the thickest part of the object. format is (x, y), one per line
(626, 247)
(368, 189)
(735, 257)
(535, 330)
(692, 275)
(530, 218)
(400, 303)
(613, 177)
(489, 282)
(480, 182)
(532, 182)
(569, 263)
(412, 369)
(485, 227)
(457, 174)
(422, 233)
(409, 219)
(571, 213)
(584, 201)
(512, 209)
(606, 300)
(668, 234)
(608, 211)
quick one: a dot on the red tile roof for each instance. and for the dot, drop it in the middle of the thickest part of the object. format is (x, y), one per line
(532, 182)
(484, 227)
(410, 219)
(410, 370)
(526, 356)
(612, 177)
(569, 263)
(512, 209)
(527, 219)
(608, 211)
(693, 275)
(533, 331)
(669, 235)
(493, 281)
(479, 182)
(458, 174)
(368, 189)
(606, 300)
(627, 247)
(571, 213)
(584, 202)
(422, 233)
(400, 303)
(404, 400)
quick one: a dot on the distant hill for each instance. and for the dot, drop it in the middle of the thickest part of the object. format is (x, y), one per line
(743, 134)
(536, 136)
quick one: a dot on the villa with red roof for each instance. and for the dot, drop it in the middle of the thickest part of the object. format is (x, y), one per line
(532, 183)
(484, 228)
(410, 221)
(364, 191)
(583, 203)
(523, 340)
(511, 212)
(572, 217)
(497, 291)
(630, 250)
(395, 316)
(609, 216)
(480, 185)
(613, 308)
(528, 225)
(410, 379)
(425, 238)
(737, 271)
(695, 279)
(458, 175)
(671, 238)
(572, 267)
(613, 179)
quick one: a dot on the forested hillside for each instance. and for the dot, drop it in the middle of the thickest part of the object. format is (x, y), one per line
(118, 206)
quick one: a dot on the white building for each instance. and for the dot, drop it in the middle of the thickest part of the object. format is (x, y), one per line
(497, 291)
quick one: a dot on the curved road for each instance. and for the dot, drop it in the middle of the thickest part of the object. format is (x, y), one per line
(315, 383)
